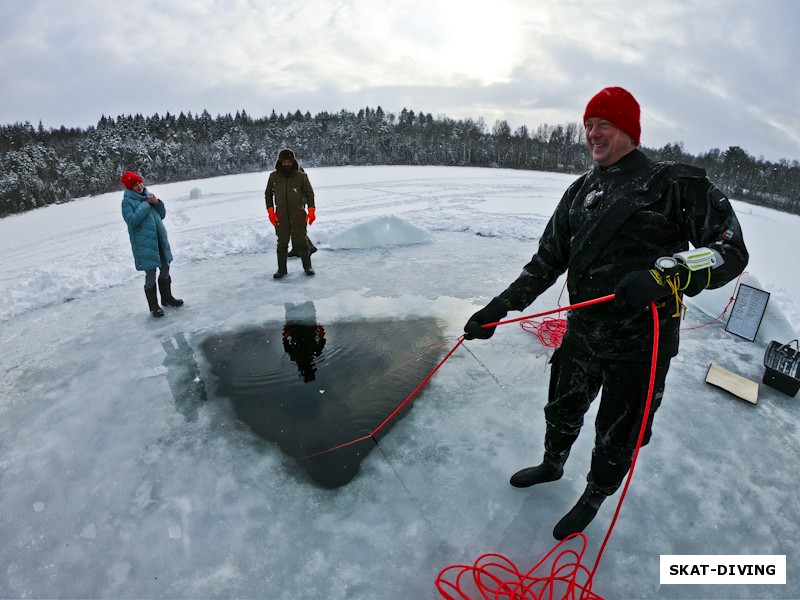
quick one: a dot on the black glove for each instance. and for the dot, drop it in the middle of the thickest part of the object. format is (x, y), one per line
(491, 313)
(639, 288)
(698, 280)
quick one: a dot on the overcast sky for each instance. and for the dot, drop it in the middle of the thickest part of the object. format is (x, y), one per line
(709, 73)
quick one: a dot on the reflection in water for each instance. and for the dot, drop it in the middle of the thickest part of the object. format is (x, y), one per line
(303, 341)
(183, 376)
(352, 376)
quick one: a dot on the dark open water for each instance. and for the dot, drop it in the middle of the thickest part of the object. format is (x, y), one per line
(310, 386)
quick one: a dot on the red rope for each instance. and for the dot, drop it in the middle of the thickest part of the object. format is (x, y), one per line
(419, 387)
(642, 429)
(554, 310)
(396, 410)
(497, 576)
(436, 368)
(724, 310)
(549, 330)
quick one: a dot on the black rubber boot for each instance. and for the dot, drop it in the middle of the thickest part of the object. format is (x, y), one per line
(551, 469)
(152, 302)
(282, 254)
(295, 253)
(581, 514)
(165, 288)
(306, 258)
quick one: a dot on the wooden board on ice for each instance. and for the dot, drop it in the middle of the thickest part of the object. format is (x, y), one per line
(737, 385)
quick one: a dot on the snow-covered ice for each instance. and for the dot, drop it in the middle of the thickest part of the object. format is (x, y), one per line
(124, 473)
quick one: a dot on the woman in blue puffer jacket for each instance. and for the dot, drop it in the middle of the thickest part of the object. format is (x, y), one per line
(144, 214)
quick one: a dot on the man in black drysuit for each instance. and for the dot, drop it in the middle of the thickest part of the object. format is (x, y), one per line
(611, 229)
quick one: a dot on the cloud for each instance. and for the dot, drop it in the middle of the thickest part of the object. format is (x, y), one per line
(710, 74)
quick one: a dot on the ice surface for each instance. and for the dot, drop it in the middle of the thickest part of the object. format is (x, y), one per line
(123, 473)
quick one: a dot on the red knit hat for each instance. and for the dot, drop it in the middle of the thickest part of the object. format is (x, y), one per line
(130, 179)
(618, 106)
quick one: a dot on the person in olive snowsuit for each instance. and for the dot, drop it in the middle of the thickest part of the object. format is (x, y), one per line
(145, 214)
(287, 195)
(608, 231)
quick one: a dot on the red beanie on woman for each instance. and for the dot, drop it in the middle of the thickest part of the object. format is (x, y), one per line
(617, 105)
(130, 179)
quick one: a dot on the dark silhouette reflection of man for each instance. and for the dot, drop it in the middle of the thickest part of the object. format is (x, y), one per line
(303, 338)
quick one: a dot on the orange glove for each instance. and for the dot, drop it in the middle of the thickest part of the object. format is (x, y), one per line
(273, 218)
(311, 215)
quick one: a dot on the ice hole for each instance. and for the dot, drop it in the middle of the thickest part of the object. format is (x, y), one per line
(310, 386)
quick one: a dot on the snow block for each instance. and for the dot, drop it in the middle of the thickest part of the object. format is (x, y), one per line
(774, 326)
(383, 231)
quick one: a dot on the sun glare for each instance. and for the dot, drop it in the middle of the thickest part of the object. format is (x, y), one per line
(477, 42)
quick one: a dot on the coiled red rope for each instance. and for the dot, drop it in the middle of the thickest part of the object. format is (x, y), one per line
(495, 576)
(549, 330)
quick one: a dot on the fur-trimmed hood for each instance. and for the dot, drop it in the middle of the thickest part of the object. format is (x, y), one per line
(284, 154)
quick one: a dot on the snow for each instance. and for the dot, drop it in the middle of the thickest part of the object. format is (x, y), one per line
(380, 232)
(123, 472)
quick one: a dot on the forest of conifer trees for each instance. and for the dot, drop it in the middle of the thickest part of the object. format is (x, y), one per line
(41, 167)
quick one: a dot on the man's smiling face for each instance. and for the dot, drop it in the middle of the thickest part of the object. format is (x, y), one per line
(606, 142)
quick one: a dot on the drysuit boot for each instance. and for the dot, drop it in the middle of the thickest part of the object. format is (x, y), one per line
(551, 469)
(305, 256)
(282, 254)
(152, 302)
(581, 514)
(165, 287)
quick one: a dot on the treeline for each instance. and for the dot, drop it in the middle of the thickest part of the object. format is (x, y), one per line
(41, 167)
